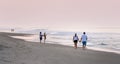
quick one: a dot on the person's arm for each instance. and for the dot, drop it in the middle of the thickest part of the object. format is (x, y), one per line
(77, 38)
(80, 39)
(86, 38)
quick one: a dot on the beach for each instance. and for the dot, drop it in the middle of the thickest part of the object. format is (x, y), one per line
(18, 51)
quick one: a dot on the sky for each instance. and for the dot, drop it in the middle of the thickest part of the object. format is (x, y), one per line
(76, 15)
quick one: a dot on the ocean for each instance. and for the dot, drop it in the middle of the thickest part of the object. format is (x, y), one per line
(109, 42)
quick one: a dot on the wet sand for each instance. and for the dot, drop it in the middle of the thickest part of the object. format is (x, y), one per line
(18, 51)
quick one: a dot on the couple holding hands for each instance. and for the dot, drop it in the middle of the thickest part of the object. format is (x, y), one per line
(83, 39)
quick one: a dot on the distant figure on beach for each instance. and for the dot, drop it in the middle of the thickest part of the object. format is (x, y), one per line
(40, 36)
(12, 30)
(75, 40)
(84, 40)
(44, 37)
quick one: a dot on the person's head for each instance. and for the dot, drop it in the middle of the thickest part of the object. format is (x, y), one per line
(40, 32)
(75, 34)
(44, 33)
(84, 33)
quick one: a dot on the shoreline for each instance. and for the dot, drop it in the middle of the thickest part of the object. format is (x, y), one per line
(29, 38)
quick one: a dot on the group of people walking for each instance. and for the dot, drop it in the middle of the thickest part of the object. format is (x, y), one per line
(42, 36)
(83, 39)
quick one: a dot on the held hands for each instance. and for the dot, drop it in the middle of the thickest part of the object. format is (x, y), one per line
(80, 40)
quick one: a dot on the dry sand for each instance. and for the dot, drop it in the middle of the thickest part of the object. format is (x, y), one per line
(18, 51)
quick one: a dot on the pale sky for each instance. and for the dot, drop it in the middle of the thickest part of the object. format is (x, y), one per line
(96, 15)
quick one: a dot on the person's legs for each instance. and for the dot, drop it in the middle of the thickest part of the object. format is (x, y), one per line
(40, 40)
(84, 44)
(44, 41)
(76, 45)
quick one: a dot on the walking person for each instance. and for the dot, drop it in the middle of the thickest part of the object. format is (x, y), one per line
(40, 36)
(75, 40)
(84, 40)
(44, 37)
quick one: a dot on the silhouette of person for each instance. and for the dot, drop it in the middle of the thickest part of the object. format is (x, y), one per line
(44, 37)
(40, 35)
(84, 40)
(75, 40)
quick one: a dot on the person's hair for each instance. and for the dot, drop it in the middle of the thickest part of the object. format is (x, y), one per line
(40, 32)
(44, 33)
(83, 32)
(75, 34)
